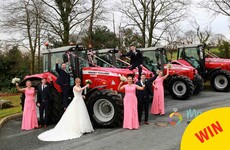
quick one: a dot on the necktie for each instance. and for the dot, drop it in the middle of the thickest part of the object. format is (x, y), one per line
(42, 87)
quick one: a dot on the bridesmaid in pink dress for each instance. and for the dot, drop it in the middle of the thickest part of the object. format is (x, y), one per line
(29, 118)
(130, 104)
(158, 98)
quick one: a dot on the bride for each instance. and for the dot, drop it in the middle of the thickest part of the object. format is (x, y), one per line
(74, 122)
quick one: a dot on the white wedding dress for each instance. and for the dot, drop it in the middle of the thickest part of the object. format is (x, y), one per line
(74, 122)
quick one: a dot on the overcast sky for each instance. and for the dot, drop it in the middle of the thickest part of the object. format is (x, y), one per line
(219, 25)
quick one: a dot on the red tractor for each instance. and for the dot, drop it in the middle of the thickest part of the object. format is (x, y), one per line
(182, 82)
(104, 102)
(209, 66)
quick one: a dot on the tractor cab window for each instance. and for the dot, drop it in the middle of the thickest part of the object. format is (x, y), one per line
(191, 55)
(54, 57)
(151, 60)
(45, 63)
(104, 59)
(82, 57)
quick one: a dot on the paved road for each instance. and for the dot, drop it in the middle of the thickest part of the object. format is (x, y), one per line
(148, 137)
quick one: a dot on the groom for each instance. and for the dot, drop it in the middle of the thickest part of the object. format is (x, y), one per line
(43, 100)
(136, 59)
(143, 96)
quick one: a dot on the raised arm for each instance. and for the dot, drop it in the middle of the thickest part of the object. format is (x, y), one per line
(127, 54)
(153, 78)
(164, 77)
(19, 89)
(78, 89)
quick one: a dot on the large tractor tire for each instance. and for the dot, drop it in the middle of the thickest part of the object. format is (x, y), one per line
(180, 87)
(220, 80)
(56, 109)
(105, 109)
(198, 84)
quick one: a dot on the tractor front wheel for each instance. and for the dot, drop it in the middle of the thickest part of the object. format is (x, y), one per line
(198, 84)
(180, 87)
(220, 80)
(105, 108)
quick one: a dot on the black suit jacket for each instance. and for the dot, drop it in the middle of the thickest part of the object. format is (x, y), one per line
(135, 59)
(147, 92)
(44, 95)
(63, 78)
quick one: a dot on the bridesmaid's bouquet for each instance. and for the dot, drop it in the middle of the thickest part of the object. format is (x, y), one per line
(169, 66)
(88, 81)
(15, 80)
(123, 78)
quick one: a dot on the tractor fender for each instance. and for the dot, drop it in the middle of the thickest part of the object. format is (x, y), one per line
(91, 91)
(38, 77)
(213, 70)
(34, 81)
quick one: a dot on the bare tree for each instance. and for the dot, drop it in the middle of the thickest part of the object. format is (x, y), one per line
(217, 6)
(190, 37)
(65, 16)
(153, 17)
(204, 35)
(23, 17)
(97, 11)
(215, 38)
(172, 34)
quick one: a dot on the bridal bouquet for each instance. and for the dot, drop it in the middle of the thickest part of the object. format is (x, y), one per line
(15, 80)
(88, 81)
(123, 78)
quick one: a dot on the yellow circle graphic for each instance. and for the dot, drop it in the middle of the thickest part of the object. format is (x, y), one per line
(208, 131)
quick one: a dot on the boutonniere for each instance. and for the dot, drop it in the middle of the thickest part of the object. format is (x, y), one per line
(45, 86)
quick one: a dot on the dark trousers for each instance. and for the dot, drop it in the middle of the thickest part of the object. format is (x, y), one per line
(139, 69)
(44, 106)
(65, 95)
(143, 103)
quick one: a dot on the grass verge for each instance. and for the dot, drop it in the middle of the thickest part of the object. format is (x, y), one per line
(15, 100)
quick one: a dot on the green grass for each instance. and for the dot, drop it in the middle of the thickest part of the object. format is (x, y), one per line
(15, 100)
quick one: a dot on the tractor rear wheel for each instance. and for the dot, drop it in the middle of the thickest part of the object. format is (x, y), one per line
(56, 109)
(180, 87)
(105, 108)
(220, 80)
(198, 84)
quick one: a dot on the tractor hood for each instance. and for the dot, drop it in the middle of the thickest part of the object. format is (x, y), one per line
(217, 60)
(212, 63)
(181, 64)
(95, 71)
(178, 68)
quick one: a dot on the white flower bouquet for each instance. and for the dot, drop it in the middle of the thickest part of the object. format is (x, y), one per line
(169, 66)
(123, 78)
(15, 80)
(88, 81)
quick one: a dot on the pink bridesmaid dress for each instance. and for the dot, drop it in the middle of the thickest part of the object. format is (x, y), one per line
(158, 98)
(29, 118)
(130, 108)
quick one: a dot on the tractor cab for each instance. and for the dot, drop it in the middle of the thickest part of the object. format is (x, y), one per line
(209, 66)
(193, 55)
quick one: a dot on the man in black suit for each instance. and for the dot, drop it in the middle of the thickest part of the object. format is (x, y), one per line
(136, 59)
(43, 100)
(63, 81)
(143, 96)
